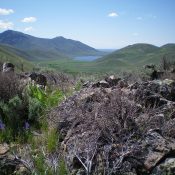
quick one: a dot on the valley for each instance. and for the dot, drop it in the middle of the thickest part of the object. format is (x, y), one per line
(70, 56)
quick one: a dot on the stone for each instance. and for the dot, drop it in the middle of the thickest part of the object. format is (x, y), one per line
(86, 84)
(38, 78)
(122, 84)
(101, 83)
(112, 80)
(104, 84)
(134, 86)
(8, 67)
(165, 167)
(152, 159)
(4, 148)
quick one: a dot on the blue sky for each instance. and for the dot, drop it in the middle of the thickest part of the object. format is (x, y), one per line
(98, 23)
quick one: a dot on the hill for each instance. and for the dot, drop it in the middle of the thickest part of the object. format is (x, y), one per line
(139, 54)
(34, 48)
(127, 58)
(9, 54)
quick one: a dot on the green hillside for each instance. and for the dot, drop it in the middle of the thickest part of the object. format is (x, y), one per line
(9, 54)
(139, 54)
(125, 59)
(34, 48)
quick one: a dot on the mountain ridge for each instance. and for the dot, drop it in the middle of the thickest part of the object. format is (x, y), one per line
(44, 48)
(138, 52)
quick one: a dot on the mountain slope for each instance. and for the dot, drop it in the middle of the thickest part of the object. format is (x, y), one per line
(45, 49)
(9, 54)
(126, 59)
(139, 54)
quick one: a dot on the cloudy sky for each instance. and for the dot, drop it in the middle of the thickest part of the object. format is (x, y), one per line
(98, 23)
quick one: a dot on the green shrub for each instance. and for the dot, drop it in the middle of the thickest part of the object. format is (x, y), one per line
(35, 109)
(47, 98)
(62, 168)
(39, 162)
(52, 140)
(14, 117)
(53, 98)
(78, 86)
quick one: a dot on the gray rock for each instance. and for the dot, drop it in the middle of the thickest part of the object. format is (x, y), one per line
(8, 67)
(122, 84)
(112, 80)
(101, 83)
(9, 164)
(166, 167)
(38, 78)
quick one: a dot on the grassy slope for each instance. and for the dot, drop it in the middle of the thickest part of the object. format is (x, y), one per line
(9, 54)
(139, 55)
(124, 59)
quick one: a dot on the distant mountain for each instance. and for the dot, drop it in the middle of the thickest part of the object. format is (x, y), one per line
(137, 55)
(9, 54)
(34, 48)
(126, 59)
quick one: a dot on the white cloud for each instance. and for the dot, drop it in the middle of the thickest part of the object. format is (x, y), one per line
(113, 14)
(29, 19)
(28, 29)
(6, 11)
(6, 25)
(139, 18)
(135, 34)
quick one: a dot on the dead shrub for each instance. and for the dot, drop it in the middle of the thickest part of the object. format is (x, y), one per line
(59, 80)
(9, 86)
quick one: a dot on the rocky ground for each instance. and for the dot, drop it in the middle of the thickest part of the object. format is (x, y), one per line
(113, 127)
(110, 127)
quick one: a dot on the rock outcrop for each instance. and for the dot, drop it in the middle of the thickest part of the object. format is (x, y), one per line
(8, 67)
(116, 128)
(9, 163)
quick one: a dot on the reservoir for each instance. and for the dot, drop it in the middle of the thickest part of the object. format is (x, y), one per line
(87, 58)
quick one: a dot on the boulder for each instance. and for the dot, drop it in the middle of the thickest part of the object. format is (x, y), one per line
(4, 148)
(134, 86)
(112, 80)
(102, 84)
(39, 79)
(122, 84)
(165, 167)
(108, 82)
(8, 67)
(9, 164)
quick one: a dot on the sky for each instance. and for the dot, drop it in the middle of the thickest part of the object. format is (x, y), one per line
(102, 24)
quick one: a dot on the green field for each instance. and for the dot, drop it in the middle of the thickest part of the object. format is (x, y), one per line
(8, 54)
(126, 59)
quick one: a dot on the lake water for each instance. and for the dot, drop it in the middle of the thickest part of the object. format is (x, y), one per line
(92, 58)
(87, 58)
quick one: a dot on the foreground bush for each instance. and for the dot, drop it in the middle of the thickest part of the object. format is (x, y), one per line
(22, 110)
(9, 86)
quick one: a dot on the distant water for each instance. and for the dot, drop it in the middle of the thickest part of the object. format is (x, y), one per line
(87, 58)
(108, 50)
(92, 58)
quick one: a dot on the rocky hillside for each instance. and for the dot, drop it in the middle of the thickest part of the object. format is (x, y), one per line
(112, 127)
(106, 127)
